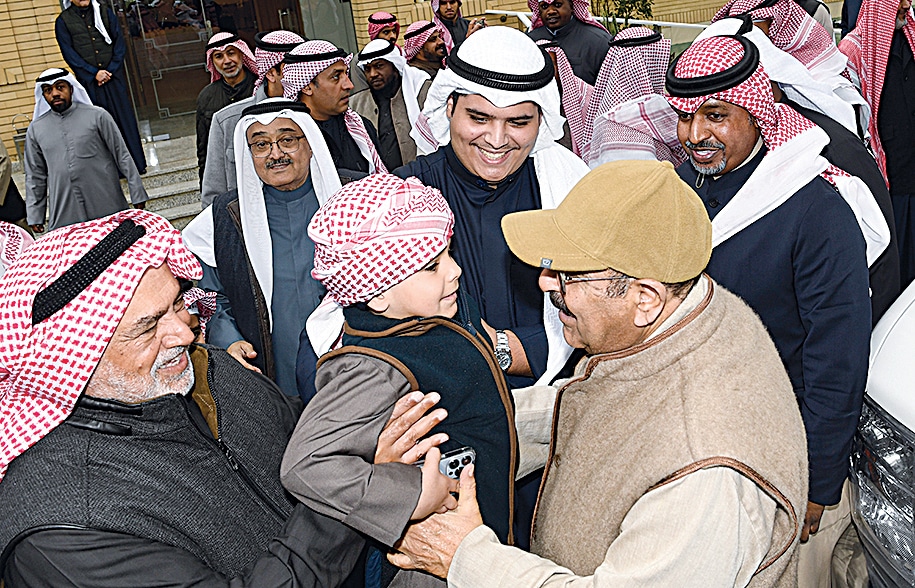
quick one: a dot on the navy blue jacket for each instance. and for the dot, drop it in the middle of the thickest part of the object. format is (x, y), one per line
(504, 287)
(803, 269)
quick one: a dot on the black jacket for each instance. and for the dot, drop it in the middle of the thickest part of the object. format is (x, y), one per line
(213, 98)
(147, 495)
(848, 153)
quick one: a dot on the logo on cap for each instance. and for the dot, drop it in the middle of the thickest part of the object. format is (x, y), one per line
(546, 262)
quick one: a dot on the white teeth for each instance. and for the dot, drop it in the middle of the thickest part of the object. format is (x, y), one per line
(491, 155)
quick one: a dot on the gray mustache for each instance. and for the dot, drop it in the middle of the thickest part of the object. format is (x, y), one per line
(559, 302)
(705, 144)
(275, 162)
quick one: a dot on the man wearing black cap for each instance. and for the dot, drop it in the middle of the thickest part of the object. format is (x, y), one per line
(676, 455)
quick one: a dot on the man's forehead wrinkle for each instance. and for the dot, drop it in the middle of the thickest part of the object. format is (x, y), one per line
(141, 324)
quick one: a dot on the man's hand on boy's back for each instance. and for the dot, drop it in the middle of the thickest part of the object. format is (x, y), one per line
(430, 544)
(402, 440)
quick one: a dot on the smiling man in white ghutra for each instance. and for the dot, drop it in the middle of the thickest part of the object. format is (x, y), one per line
(252, 241)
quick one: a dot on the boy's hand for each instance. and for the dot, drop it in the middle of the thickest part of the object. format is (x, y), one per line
(437, 488)
(401, 440)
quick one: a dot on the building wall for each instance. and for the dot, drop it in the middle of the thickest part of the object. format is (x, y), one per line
(687, 11)
(27, 34)
(408, 12)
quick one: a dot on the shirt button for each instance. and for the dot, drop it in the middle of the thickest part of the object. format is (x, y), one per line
(557, 459)
(714, 203)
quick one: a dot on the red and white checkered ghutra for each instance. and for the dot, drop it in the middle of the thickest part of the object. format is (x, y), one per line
(231, 40)
(45, 367)
(297, 75)
(868, 50)
(269, 59)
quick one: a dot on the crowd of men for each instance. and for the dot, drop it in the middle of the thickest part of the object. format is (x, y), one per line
(674, 264)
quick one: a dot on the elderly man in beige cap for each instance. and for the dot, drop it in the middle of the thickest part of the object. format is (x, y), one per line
(677, 452)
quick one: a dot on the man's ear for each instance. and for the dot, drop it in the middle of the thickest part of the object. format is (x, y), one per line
(308, 90)
(378, 304)
(449, 107)
(274, 74)
(652, 297)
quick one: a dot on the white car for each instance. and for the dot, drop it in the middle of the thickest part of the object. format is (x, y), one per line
(883, 456)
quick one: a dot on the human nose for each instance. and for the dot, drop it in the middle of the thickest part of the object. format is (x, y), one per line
(347, 83)
(275, 146)
(548, 281)
(496, 135)
(178, 332)
(454, 271)
(697, 130)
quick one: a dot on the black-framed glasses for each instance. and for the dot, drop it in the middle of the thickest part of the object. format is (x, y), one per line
(564, 279)
(287, 145)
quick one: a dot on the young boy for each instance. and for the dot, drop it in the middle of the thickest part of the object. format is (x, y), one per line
(381, 251)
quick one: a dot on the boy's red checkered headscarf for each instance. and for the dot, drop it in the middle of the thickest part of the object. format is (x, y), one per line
(376, 232)
(44, 367)
(219, 42)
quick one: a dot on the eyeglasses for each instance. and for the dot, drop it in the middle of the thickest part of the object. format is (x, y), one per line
(566, 279)
(286, 145)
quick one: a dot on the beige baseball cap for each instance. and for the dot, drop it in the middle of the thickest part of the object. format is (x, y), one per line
(636, 217)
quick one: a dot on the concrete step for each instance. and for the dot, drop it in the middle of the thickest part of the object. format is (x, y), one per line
(180, 216)
(172, 195)
(183, 171)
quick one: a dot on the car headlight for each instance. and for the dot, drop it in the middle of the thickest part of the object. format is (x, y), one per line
(882, 475)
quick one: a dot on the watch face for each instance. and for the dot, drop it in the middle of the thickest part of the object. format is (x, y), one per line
(504, 359)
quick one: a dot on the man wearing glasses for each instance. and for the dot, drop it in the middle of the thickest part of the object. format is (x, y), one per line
(676, 455)
(253, 241)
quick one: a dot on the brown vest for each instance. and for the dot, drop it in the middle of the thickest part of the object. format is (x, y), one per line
(710, 391)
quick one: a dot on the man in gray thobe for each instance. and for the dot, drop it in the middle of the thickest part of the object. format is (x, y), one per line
(73, 153)
(253, 241)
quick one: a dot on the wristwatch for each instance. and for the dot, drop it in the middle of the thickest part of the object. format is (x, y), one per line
(503, 351)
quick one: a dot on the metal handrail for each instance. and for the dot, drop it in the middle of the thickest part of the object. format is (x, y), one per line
(525, 18)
